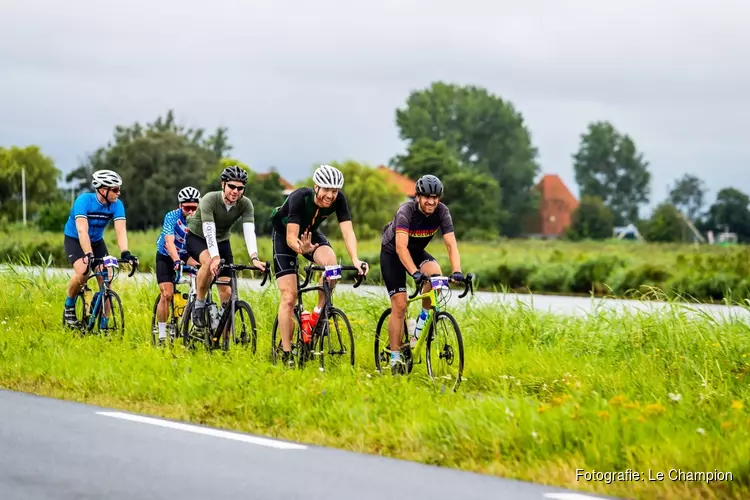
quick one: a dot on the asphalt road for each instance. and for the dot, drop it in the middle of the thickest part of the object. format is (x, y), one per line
(54, 449)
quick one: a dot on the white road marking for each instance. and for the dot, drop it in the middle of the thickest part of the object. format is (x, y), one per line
(205, 430)
(569, 496)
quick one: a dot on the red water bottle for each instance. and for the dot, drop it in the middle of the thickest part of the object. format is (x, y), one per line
(306, 328)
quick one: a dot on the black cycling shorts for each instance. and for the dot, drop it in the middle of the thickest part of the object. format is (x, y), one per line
(284, 258)
(195, 245)
(164, 271)
(74, 251)
(394, 272)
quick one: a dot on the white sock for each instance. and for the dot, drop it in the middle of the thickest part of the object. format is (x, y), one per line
(316, 310)
(162, 330)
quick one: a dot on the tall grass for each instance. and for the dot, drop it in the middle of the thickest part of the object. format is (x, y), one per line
(543, 395)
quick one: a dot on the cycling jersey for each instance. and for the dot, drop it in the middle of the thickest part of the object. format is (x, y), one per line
(97, 213)
(421, 228)
(300, 208)
(175, 224)
(212, 208)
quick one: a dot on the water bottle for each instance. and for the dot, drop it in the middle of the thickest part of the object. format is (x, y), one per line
(306, 328)
(418, 327)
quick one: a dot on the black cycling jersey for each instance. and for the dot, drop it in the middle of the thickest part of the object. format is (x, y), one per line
(420, 227)
(300, 208)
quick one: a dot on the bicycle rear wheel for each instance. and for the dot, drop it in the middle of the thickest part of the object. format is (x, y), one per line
(300, 350)
(333, 342)
(244, 331)
(448, 366)
(171, 323)
(382, 345)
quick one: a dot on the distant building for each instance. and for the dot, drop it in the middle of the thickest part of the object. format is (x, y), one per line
(556, 207)
(405, 184)
(288, 186)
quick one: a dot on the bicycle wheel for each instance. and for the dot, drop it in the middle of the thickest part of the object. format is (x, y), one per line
(82, 314)
(116, 321)
(299, 351)
(449, 351)
(382, 345)
(333, 342)
(154, 321)
(190, 334)
(242, 333)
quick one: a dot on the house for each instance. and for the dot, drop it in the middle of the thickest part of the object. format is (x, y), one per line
(288, 186)
(406, 185)
(556, 206)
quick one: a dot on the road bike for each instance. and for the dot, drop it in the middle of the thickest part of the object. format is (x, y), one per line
(320, 342)
(103, 312)
(219, 319)
(433, 339)
(177, 304)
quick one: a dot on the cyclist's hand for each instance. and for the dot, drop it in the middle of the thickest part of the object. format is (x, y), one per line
(214, 267)
(259, 264)
(177, 265)
(457, 276)
(418, 276)
(358, 264)
(306, 244)
(88, 258)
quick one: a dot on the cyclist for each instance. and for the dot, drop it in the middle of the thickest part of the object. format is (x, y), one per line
(84, 235)
(208, 235)
(171, 252)
(296, 231)
(402, 250)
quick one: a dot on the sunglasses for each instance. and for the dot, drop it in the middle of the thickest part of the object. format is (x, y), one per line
(190, 208)
(234, 187)
(115, 189)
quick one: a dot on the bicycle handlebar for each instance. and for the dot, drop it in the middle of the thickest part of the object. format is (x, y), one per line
(309, 269)
(467, 281)
(243, 267)
(100, 260)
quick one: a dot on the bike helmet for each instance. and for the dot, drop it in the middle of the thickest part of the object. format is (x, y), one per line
(106, 178)
(328, 177)
(188, 194)
(429, 185)
(234, 173)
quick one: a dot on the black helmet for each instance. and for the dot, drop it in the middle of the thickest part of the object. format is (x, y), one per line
(234, 173)
(429, 185)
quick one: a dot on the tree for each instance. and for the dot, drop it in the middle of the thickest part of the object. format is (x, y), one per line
(730, 212)
(425, 156)
(665, 225)
(486, 135)
(473, 202)
(592, 219)
(687, 195)
(41, 181)
(607, 165)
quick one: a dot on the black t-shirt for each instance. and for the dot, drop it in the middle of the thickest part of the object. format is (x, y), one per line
(300, 208)
(420, 227)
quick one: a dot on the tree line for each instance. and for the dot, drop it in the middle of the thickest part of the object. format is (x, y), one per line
(476, 142)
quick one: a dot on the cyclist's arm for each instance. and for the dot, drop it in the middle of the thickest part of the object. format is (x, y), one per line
(209, 227)
(292, 238)
(350, 240)
(120, 230)
(248, 229)
(449, 238)
(402, 240)
(82, 225)
(170, 221)
(296, 205)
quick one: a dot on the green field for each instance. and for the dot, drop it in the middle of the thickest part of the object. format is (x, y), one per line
(543, 395)
(618, 268)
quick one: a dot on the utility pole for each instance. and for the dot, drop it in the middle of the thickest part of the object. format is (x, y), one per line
(23, 192)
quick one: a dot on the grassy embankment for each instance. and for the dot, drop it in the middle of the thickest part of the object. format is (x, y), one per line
(619, 268)
(543, 397)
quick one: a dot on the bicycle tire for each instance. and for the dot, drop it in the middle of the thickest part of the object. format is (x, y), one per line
(187, 314)
(81, 328)
(382, 356)
(334, 311)
(247, 339)
(114, 298)
(432, 338)
(296, 345)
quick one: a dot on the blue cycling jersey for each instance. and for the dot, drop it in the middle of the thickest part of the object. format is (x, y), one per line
(175, 224)
(98, 214)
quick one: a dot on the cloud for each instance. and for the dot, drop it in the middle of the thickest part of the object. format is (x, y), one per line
(300, 82)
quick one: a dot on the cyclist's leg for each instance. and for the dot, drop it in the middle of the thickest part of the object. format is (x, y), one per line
(394, 277)
(101, 251)
(285, 271)
(323, 255)
(165, 277)
(223, 284)
(427, 266)
(75, 257)
(198, 250)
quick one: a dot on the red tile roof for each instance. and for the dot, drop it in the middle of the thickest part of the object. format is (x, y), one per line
(556, 205)
(404, 183)
(284, 182)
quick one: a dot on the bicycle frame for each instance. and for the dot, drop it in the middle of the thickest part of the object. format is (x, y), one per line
(108, 269)
(325, 288)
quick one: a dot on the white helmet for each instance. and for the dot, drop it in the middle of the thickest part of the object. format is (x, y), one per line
(188, 194)
(328, 177)
(106, 178)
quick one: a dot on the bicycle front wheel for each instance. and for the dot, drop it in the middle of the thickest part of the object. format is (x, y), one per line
(244, 331)
(115, 320)
(299, 348)
(155, 322)
(334, 343)
(447, 347)
(382, 344)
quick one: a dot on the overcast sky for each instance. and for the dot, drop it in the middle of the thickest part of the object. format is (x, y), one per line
(299, 82)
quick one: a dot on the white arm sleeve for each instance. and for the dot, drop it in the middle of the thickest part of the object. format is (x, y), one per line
(209, 230)
(248, 229)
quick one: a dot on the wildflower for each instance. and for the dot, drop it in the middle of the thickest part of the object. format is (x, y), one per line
(655, 409)
(541, 409)
(534, 435)
(700, 430)
(726, 425)
(737, 405)
(675, 397)
(619, 399)
(602, 414)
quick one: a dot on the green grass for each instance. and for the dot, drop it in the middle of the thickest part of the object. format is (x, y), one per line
(544, 395)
